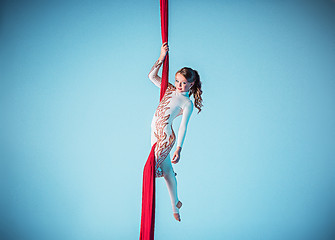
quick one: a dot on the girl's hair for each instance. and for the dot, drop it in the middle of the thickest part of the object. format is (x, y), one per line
(193, 76)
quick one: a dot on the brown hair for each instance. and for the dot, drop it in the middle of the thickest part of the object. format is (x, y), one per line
(193, 76)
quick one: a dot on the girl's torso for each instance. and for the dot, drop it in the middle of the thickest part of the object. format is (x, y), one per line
(171, 106)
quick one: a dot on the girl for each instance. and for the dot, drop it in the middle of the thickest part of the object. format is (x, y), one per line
(176, 101)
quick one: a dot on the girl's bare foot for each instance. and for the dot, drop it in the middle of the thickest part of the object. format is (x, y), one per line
(177, 216)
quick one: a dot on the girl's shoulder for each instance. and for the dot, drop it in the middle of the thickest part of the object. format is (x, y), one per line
(188, 104)
(171, 87)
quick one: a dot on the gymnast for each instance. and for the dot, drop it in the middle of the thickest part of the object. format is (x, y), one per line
(176, 101)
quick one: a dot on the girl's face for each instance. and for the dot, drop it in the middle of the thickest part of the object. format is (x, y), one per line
(181, 84)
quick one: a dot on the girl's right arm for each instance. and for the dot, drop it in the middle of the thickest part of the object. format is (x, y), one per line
(153, 74)
(157, 80)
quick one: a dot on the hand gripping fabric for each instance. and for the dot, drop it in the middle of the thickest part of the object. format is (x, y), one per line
(149, 182)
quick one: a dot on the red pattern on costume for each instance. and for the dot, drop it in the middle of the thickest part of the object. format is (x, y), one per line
(164, 142)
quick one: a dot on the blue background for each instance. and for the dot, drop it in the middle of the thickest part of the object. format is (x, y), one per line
(76, 107)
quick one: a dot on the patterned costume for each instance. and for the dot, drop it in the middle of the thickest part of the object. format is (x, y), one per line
(173, 104)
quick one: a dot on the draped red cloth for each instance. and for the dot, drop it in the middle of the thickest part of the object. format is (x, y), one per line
(149, 182)
(164, 29)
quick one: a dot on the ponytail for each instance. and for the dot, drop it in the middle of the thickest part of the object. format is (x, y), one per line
(196, 91)
(193, 76)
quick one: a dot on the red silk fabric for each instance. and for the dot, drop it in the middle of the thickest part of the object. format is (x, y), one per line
(164, 30)
(148, 198)
(149, 181)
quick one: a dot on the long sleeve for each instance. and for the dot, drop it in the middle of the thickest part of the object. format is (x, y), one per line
(187, 111)
(157, 80)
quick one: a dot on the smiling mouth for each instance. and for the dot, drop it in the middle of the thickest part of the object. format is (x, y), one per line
(180, 89)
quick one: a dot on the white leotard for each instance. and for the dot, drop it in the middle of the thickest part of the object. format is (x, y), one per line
(172, 105)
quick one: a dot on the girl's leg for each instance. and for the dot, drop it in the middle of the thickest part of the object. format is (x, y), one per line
(171, 182)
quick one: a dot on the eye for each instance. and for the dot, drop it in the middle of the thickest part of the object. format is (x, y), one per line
(177, 80)
(184, 83)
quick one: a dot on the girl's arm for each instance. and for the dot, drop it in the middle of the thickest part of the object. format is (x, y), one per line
(187, 111)
(157, 80)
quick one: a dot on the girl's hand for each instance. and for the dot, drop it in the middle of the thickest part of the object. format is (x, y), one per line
(164, 50)
(176, 156)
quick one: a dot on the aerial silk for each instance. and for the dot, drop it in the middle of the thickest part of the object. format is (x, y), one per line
(149, 183)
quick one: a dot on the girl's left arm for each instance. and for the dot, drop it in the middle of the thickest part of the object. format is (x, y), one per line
(187, 111)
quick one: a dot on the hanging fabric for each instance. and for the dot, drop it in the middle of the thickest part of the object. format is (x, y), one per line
(147, 231)
(164, 30)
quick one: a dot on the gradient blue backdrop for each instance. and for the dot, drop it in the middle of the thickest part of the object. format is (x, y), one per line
(76, 107)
